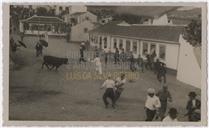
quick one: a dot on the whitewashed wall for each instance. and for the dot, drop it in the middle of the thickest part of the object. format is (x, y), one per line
(160, 20)
(172, 51)
(188, 69)
(77, 31)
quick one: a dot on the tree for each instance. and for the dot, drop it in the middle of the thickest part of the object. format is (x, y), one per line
(41, 11)
(129, 18)
(192, 33)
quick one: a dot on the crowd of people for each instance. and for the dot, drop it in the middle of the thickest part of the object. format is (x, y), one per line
(134, 61)
(156, 104)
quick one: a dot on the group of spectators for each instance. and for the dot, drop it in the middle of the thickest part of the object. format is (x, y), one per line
(156, 106)
(157, 102)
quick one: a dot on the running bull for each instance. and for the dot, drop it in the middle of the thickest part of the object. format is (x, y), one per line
(54, 62)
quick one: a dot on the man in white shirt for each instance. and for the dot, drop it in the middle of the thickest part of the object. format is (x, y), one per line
(98, 64)
(119, 82)
(109, 84)
(172, 116)
(152, 104)
(46, 36)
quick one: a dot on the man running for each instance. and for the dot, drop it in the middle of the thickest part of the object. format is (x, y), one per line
(109, 84)
(119, 82)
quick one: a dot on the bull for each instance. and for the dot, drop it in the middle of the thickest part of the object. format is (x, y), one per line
(54, 62)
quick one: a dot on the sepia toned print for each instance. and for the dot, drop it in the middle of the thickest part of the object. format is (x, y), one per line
(106, 63)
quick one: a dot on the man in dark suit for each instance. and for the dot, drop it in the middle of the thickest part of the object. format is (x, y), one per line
(193, 107)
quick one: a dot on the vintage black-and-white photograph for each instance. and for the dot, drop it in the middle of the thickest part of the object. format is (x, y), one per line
(88, 62)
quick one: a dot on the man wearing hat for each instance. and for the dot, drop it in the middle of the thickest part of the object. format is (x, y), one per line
(152, 104)
(193, 107)
(82, 48)
(172, 116)
(109, 84)
(119, 82)
(164, 96)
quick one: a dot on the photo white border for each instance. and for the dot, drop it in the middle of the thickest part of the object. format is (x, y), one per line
(5, 75)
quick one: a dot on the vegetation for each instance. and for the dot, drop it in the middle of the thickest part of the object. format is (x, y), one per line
(129, 18)
(193, 34)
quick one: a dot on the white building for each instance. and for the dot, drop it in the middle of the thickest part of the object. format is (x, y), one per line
(37, 25)
(173, 17)
(79, 17)
(81, 22)
(166, 41)
(79, 32)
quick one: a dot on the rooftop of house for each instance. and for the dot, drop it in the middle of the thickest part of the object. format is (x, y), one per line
(162, 33)
(77, 13)
(43, 20)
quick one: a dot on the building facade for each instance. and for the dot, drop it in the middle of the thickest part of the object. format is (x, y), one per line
(81, 24)
(165, 41)
(79, 17)
(36, 25)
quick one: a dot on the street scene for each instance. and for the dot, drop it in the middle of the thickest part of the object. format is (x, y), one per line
(105, 63)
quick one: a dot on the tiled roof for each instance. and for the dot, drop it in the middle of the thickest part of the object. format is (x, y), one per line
(150, 32)
(78, 13)
(44, 20)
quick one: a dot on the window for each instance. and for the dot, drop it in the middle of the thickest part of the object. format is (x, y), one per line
(153, 50)
(134, 46)
(128, 45)
(105, 42)
(115, 43)
(162, 52)
(60, 8)
(100, 42)
(85, 30)
(120, 44)
(67, 10)
(145, 48)
(139, 47)
(95, 39)
(87, 18)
